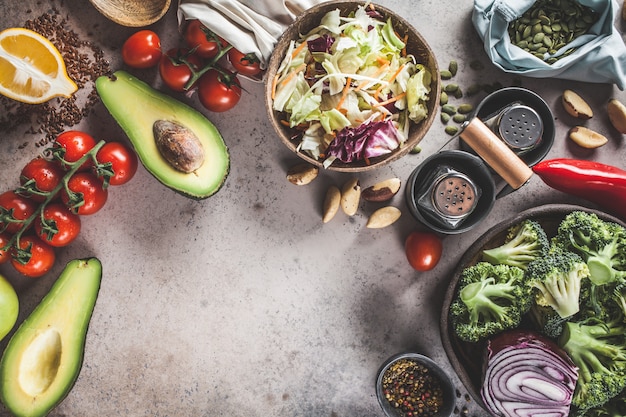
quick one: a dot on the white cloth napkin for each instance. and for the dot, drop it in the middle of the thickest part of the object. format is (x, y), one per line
(248, 25)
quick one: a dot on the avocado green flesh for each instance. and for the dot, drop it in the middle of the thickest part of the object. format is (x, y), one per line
(43, 358)
(136, 106)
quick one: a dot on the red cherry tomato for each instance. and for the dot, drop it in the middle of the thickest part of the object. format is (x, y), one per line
(219, 92)
(90, 187)
(423, 250)
(202, 40)
(246, 64)
(61, 225)
(41, 174)
(175, 72)
(15, 206)
(41, 259)
(123, 161)
(5, 254)
(75, 145)
(142, 49)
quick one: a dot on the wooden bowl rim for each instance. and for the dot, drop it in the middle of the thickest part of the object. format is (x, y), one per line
(303, 24)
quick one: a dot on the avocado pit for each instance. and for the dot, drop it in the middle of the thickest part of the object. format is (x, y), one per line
(178, 145)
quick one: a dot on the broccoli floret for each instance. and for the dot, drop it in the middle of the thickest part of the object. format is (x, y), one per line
(490, 298)
(547, 321)
(616, 407)
(598, 349)
(601, 244)
(524, 242)
(558, 277)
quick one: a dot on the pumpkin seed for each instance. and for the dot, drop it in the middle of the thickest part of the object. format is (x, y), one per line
(465, 108)
(459, 118)
(451, 130)
(443, 98)
(453, 67)
(448, 109)
(445, 74)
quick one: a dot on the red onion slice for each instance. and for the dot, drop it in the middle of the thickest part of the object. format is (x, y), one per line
(527, 375)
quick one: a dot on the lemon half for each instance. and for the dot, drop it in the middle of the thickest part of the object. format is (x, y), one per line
(32, 68)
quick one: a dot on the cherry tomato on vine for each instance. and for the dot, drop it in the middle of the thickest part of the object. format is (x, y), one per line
(42, 257)
(423, 250)
(202, 40)
(90, 187)
(219, 91)
(5, 254)
(175, 72)
(246, 64)
(16, 206)
(142, 49)
(62, 226)
(75, 145)
(42, 175)
(123, 161)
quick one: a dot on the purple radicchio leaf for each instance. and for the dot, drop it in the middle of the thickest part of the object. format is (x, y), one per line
(321, 44)
(368, 140)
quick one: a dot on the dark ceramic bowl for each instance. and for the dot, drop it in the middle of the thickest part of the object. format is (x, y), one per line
(433, 369)
(464, 162)
(498, 100)
(416, 45)
(466, 358)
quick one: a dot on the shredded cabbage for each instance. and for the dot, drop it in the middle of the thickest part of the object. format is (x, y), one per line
(346, 72)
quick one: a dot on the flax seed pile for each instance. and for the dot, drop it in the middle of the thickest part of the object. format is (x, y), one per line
(85, 62)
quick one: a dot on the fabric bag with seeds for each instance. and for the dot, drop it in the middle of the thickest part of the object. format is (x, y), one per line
(567, 39)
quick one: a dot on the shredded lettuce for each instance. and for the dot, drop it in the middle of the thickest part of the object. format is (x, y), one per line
(352, 87)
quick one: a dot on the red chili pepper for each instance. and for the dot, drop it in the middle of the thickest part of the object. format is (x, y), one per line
(602, 184)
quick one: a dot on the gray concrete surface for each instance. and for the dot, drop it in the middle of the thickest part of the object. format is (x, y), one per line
(245, 304)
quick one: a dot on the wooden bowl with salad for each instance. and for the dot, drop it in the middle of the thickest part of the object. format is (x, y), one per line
(351, 86)
(469, 358)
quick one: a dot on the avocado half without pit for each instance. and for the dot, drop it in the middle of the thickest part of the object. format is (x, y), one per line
(177, 144)
(43, 358)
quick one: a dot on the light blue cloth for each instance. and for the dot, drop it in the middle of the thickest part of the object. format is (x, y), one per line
(600, 56)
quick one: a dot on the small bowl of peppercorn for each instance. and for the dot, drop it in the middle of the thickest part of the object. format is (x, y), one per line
(411, 384)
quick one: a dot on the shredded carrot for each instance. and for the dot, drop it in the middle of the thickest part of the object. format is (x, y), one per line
(274, 82)
(395, 74)
(344, 93)
(298, 50)
(382, 60)
(293, 73)
(377, 93)
(379, 71)
(284, 123)
(391, 100)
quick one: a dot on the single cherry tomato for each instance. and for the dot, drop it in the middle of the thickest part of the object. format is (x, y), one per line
(219, 91)
(202, 40)
(142, 49)
(75, 145)
(246, 64)
(17, 207)
(5, 254)
(423, 250)
(61, 225)
(40, 175)
(123, 161)
(90, 192)
(41, 258)
(176, 68)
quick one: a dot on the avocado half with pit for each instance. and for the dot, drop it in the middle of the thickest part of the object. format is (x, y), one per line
(45, 354)
(136, 107)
